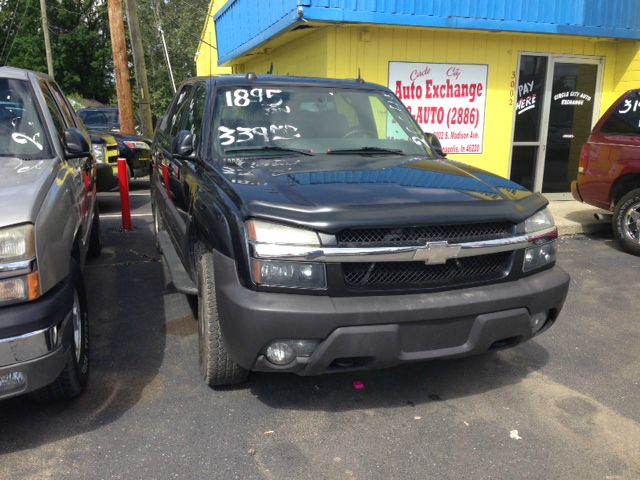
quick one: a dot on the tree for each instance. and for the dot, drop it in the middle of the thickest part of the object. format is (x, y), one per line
(81, 45)
(79, 42)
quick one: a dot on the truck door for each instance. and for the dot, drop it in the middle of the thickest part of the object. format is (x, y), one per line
(173, 203)
(73, 171)
(185, 167)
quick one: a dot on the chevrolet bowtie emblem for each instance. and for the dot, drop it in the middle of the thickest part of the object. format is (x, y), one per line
(434, 253)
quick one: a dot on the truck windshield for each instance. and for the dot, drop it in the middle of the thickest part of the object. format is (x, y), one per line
(314, 119)
(21, 130)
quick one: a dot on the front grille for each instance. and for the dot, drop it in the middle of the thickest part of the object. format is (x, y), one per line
(415, 236)
(417, 275)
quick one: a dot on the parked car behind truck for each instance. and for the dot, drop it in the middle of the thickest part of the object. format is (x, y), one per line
(48, 223)
(104, 121)
(609, 170)
(321, 233)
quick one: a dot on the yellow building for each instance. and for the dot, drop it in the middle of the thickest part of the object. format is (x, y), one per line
(510, 86)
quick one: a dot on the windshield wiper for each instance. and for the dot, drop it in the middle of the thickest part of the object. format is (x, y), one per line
(269, 148)
(365, 150)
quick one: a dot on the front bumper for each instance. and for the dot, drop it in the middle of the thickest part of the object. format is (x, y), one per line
(382, 331)
(34, 338)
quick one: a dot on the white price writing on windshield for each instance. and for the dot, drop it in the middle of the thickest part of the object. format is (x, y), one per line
(229, 136)
(241, 97)
(629, 106)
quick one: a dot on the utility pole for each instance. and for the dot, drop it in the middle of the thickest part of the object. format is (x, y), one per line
(140, 68)
(121, 66)
(45, 30)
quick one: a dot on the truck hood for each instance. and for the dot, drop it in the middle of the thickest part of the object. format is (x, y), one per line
(23, 186)
(331, 192)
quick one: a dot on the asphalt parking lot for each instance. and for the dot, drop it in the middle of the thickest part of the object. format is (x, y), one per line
(565, 405)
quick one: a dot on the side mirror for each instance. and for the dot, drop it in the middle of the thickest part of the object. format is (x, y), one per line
(75, 144)
(434, 143)
(184, 144)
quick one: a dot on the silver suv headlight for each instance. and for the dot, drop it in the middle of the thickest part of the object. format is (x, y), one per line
(277, 273)
(19, 279)
(542, 235)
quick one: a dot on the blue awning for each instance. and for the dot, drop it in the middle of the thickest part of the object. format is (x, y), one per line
(242, 25)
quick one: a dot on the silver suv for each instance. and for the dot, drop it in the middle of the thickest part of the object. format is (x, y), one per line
(48, 224)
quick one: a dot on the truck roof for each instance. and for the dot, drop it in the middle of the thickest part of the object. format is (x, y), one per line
(251, 78)
(20, 73)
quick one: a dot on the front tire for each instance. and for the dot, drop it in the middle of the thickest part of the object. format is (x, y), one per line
(74, 377)
(626, 222)
(216, 366)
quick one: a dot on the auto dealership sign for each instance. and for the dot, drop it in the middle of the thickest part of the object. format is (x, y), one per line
(446, 99)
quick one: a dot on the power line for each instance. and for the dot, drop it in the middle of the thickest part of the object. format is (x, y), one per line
(194, 36)
(12, 22)
(24, 13)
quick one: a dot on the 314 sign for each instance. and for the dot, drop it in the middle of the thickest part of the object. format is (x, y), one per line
(447, 100)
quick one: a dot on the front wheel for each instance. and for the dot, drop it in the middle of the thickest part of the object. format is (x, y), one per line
(216, 366)
(74, 377)
(626, 222)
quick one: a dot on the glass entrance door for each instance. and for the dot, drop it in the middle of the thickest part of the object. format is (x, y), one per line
(573, 91)
(557, 99)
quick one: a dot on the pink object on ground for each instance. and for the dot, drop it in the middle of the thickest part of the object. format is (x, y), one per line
(358, 384)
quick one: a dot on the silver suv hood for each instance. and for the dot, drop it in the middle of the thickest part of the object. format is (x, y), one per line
(23, 187)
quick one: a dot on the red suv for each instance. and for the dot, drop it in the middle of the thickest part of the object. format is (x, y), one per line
(609, 171)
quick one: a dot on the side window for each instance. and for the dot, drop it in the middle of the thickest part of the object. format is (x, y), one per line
(65, 108)
(195, 113)
(58, 120)
(625, 119)
(176, 117)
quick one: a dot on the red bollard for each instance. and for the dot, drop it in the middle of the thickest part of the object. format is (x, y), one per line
(124, 194)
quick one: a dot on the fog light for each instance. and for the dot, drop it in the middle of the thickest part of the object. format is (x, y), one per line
(537, 321)
(12, 382)
(280, 353)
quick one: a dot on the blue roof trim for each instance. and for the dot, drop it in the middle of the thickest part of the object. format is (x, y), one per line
(460, 23)
(243, 25)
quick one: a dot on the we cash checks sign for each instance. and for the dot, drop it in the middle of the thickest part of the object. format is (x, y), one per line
(447, 100)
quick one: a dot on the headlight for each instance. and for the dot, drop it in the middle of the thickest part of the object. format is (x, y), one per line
(137, 145)
(266, 232)
(539, 221)
(288, 274)
(542, 234)
(19, 289)
(18, 280)
(17, 243)
(539, 256)
(98, 152)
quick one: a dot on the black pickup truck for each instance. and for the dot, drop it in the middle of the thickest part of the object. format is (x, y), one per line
(322, 233)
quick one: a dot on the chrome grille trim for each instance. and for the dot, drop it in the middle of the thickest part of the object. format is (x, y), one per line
(431, 253)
